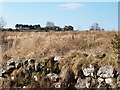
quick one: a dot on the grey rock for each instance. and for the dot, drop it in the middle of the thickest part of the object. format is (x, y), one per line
(81, 83)
(58, 85)
(38, 67)
(25, 63)
(106, 72)
(53, 76)
(31, 67)
(109, 81)
(31, 61)
(88, 70)
(57, 58)
(18, 64)
(100, 80)
(9, 70)
(10, 63)
(103, 85)
(3, 74)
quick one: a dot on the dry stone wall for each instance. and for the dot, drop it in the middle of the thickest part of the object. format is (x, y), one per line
(30, 73)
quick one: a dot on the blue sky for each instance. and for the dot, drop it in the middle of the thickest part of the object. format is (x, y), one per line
(81, 15)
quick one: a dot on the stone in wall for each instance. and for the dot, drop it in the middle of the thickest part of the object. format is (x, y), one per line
(106, 72)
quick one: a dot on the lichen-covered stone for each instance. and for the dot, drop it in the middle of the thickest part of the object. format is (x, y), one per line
(106, 72)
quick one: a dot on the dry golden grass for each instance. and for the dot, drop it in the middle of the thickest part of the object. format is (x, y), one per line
(38, 45)
(70, 45)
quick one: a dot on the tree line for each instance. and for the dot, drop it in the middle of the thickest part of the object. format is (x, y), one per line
(49, 26)
(27, 27)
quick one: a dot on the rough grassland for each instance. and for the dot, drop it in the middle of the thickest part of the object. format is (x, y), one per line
(75, 50)
(69, 45)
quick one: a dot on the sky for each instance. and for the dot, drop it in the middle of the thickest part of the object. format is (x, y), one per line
(81, 15)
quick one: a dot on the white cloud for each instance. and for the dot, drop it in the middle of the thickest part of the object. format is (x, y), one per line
(70, 6)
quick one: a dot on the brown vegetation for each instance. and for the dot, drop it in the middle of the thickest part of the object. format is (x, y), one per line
(75, 49)
(39, 44)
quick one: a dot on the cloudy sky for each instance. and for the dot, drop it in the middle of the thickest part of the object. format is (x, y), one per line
(81, 15)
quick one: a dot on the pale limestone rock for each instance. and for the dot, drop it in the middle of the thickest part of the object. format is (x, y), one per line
(81, 83)
(12, 78)
(58, 85)
(52, 76)
(112, 82)
(88, 71)
(36, 78)
(10, 62)
(57, 58)
(105, 72)
(109, 81)
(38, 66)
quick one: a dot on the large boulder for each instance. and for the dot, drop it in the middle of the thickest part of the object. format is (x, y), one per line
(106, 72)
